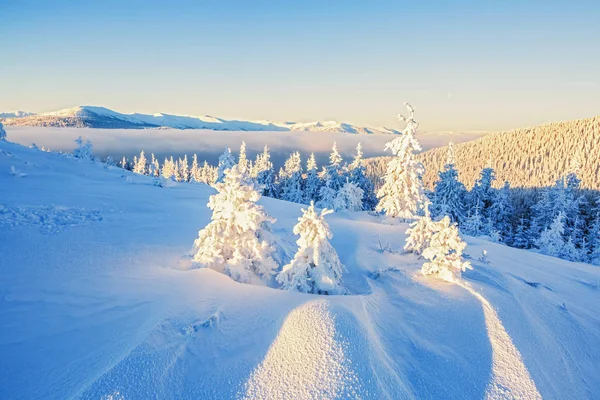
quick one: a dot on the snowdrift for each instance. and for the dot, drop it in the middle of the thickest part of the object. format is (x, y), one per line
(97, 301)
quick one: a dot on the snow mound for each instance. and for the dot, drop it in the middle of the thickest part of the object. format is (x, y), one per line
(305, 361)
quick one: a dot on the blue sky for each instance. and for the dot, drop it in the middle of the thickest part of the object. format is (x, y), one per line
(468, 65)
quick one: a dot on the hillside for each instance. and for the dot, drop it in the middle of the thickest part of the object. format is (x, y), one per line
(528, 157)
(98, 302)
(101, 117)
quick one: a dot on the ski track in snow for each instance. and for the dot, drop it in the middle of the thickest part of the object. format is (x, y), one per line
(510, 378)
(305, 361)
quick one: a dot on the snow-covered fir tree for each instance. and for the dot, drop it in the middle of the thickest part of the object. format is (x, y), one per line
(473, 224)
(401, 195)
(243, 161)
(124, 164)
(2, 132)
(349, 198)
(141, 164)
(184, 169)
(234, 242)
(316, 267)
(168, 168)
(332, 176)
(313, 182)
(195, 174)
(594, 240)
(155, 167)
(84, 150)
(449, 193)
(357, 176)
(420, 232)
(482, 197)
(178, 176)
(226, 161)
(290, 179)
(500, 214)
(109, 161)
(264, 174)
(444, 252)
(551, 242)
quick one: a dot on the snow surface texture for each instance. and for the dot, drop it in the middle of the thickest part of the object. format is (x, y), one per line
(109, 309)
(306, 360)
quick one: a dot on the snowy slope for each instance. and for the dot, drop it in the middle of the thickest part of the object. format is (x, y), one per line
(97, 302)
(101, 117)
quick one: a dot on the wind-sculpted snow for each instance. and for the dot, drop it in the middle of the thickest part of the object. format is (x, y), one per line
(108, 309)
(306, 360)
(510, 378)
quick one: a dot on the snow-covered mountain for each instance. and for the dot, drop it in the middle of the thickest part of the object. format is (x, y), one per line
(15, 114)
(101, 117)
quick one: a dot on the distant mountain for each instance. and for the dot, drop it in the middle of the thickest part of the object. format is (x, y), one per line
(527, 157)
(16, 114)
(100, 117)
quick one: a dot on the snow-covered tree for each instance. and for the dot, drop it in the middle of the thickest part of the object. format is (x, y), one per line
(154, 166)
(109, 161)
(243, 161)
(473, 225)
(482, 195)
(449, 193)
(84, 150)
(226, 161)
(332, 179)
(501, 212)
(195, 172)
(184, 169)
(264, 174)
(357, 176)
(444, 252)
(401, 195)
(349, 198)
(316, 267)
(124, 163)
(168, 168)
(551, 241)
(594, 240)
(2, 132)
(141, 166)
(234, 242)
(290, 179)
(420, 232)
(313, 181)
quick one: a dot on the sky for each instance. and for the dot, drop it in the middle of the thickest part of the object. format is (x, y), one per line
(463, 65)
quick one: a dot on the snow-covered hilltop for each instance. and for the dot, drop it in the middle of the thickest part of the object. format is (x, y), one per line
(101, 117)
(15, 114)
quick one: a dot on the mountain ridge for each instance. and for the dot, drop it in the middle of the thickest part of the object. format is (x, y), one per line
(102, 117)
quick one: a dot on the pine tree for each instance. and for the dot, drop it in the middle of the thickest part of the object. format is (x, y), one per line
(2, 132)
(521, 238)
(168, 168)
(195, 171)
(291, 179)
(124, 163)
(155, 171)
(313, 181)
(234, 242)
(141, 166)
(594, 240)
(449, 193)
(473, 225)
(501, 212)
(243, 161)
(184, 168)
(357, 176)
(401, 195)
(551, 241)
(332, 179)
(226, 161)
(316, 267)
(420, 232)
(349, 198)
(444, 252)
(263, 172)
(84, 150)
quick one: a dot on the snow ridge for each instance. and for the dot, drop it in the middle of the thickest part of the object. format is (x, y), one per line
(510, 377)
(102, 117)
(305, 361)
